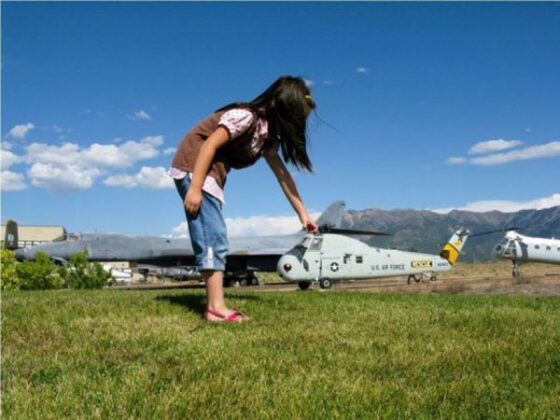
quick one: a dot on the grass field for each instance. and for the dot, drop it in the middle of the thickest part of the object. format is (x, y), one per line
(149, 354)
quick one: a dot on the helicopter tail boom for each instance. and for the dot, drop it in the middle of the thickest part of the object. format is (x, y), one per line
(452, 249)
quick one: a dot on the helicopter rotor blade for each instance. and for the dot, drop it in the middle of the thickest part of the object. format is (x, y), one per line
(495, 231)
(327, 229)
(488, 232)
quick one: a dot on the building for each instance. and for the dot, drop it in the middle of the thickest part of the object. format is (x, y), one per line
(33, 235)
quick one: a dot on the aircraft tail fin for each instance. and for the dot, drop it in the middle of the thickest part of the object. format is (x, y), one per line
(11, 235)
(452, 249)
(333, 215)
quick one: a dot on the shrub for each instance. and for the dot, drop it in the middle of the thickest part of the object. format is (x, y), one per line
(39, 274)
(81, 274)
(9, 278)
(42, 273)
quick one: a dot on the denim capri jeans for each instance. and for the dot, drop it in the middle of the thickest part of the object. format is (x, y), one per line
(207, 230)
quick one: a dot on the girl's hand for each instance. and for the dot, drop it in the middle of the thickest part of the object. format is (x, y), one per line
(309, 225)
(193, 200)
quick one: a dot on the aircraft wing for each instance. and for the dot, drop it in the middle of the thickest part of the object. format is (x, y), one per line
(258, 252)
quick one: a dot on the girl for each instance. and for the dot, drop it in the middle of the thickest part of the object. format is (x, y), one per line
(236, 136)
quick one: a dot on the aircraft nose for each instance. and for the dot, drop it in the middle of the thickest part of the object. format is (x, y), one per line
(287, 266)
(497, 251)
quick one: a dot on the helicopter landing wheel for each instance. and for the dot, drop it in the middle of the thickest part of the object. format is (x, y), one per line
(253, 280)
(304, 285)
(515, 272)
(325, 283)
(412, 277)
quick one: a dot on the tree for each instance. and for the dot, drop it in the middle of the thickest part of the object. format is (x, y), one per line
(9, 278)
(81, 274)
(39, 274)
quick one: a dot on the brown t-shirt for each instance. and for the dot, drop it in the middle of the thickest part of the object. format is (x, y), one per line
(236, 153)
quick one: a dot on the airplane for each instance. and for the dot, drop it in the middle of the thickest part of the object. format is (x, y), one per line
(119, 275)
(246, 255)
(521, 249)
(331, 255)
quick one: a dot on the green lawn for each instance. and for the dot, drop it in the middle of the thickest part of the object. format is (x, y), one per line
(149, 354)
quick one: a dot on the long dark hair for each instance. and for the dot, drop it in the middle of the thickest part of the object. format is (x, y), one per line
(283, 104)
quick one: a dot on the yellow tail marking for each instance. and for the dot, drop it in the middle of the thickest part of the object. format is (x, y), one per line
(450, 253)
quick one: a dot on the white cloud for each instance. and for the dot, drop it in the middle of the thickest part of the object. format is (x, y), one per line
(491, 146)
(263, 225)
(153, 140)
(50, 162)
(456, 160)
(254, 226)
(109, 155)
(123, 155)
(551, 149)
(5, 145)
(539, 151)
(45, 153)
(20, 131)
(60, 178)
(328, 82)
(362, 70)
(169, 151)
(126, 181)
(8, 158)
(505, 205)
(12, 181)
(142, 115)
(309, 82)
(181, 230)
(156, 178)
(148, 177)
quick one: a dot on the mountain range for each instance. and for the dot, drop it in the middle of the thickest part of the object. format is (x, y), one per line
(427, 231)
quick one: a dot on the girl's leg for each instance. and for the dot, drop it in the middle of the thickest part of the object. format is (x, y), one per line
(209, 241)
(215, 291)
(215, 301)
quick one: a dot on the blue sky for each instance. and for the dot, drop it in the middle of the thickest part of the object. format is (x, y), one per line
(436, 105)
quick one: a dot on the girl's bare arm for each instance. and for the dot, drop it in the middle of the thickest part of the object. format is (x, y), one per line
(217, 139)
(290, 190)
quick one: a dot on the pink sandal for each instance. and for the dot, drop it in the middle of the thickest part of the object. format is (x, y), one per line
(234, 317)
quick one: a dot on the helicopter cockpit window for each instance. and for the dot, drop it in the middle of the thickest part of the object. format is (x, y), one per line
(509, 249)
(316, 244)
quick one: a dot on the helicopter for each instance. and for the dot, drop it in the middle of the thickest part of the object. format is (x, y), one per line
(521, 249)
(333, 255)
